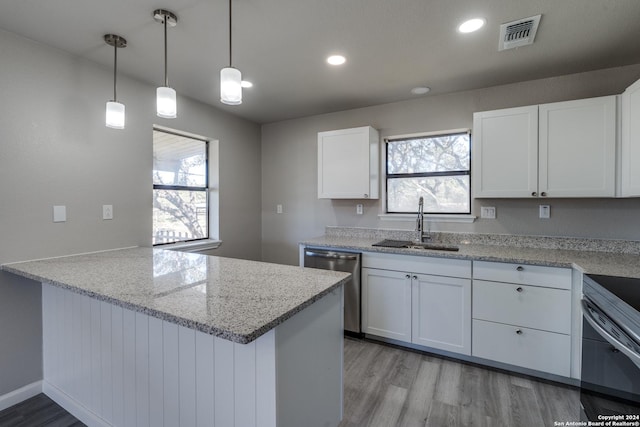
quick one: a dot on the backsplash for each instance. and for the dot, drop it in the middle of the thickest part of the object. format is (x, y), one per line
(538, 242)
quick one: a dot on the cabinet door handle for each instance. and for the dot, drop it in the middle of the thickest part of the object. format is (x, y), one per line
(408, 276)
(519, 289)
(366, 196)
(519, 331)
(520, 268)
(534, 194)
(415, 277)
(543, 194)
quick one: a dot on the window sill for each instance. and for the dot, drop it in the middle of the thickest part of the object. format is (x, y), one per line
(463, 218)
(197, 246)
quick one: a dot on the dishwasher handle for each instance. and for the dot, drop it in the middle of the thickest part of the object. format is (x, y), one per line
(331, 255)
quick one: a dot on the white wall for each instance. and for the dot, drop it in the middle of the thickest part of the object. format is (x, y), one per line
(55, 149)
(289, 167)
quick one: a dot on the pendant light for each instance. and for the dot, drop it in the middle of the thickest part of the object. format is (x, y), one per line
(165, 96)
(115, 110)
(230, 78)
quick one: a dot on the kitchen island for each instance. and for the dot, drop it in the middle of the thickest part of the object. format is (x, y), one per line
(153, 337)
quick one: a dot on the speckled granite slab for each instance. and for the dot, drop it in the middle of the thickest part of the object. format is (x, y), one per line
(583, 257)
(234, 299)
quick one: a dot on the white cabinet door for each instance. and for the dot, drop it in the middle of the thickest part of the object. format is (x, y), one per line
(505, 152)
(386, 304)
(577, 148)
(348, 164)
(442, 313)
(630, 146)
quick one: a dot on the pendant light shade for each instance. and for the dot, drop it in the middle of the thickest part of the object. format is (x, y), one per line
(230, 86)
(166, 102)
(114, 117)
(230, 78)
(166, 105)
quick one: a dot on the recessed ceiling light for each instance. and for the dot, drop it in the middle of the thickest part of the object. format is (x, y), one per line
(420, 90)
(336, 60)
(471, 25)
(246, 84)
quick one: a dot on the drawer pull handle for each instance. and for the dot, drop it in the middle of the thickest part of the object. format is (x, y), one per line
(519, 331)
(407, 276)
(534, 194)
(519, 289)
(415, 277)
(520, 268)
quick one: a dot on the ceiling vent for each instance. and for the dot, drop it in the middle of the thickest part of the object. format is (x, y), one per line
(518, 33)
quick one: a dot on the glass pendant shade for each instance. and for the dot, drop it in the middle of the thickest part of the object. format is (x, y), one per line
(230, 86)
(166, 102)
(115, 115)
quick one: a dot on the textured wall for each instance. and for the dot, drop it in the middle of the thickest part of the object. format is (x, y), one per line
(55, 149)
(289, 168)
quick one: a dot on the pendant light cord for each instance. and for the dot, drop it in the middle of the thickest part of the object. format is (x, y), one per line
(166, 75)
(230, 62)
(115, 70)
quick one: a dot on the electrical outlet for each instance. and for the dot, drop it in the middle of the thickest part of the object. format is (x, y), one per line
(359, 209)
(279, 208)
(545, 211)
(488, 212)
(107, 211)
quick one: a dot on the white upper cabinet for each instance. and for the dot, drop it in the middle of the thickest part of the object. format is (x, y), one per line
(348, 164)
(563, 149)
(505, 152)
(630, 143)
(577, 150)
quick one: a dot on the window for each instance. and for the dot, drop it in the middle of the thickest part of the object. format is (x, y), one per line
(180, 188)
(436, 167)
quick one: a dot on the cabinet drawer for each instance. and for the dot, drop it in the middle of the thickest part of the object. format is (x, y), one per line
(551, 277)
(418, 264)
(543, 351)
(529, 306)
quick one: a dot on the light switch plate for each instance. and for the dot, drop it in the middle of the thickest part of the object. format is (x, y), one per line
(488, 212)
(359, 209)
(107, 211)
(59, 213)
(279, 208)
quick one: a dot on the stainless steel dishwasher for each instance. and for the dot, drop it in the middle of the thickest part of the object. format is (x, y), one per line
(341, 261)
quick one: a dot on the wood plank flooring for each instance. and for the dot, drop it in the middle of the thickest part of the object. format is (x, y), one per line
(390, 386)
(39, 411)
(387, 386)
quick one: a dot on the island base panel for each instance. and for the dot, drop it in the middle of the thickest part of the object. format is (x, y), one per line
(111, 366)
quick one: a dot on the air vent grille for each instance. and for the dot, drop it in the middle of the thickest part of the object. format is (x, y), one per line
(518, 33)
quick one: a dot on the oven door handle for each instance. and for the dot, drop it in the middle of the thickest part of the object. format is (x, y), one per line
(635, 357)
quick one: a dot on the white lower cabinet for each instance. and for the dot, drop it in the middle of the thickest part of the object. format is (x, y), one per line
(529, 348)
(425, 309)
(386, 304)
(522, 316)
(441, 312)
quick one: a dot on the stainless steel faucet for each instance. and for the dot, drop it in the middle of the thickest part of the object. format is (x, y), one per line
(421, 236)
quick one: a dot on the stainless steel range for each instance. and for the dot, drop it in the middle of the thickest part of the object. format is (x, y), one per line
(610, 383)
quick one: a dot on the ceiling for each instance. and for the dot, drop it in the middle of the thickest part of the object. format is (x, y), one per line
(281, 45)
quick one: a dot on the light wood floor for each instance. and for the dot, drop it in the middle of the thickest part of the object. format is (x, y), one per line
(389, 386)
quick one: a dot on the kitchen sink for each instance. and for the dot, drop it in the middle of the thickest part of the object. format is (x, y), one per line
(388, 243)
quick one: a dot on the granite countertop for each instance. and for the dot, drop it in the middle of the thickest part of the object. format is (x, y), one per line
(588, 261)
(234, 299)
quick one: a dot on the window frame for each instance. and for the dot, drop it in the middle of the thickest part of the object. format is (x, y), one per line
(204, 189)
(444, 216)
